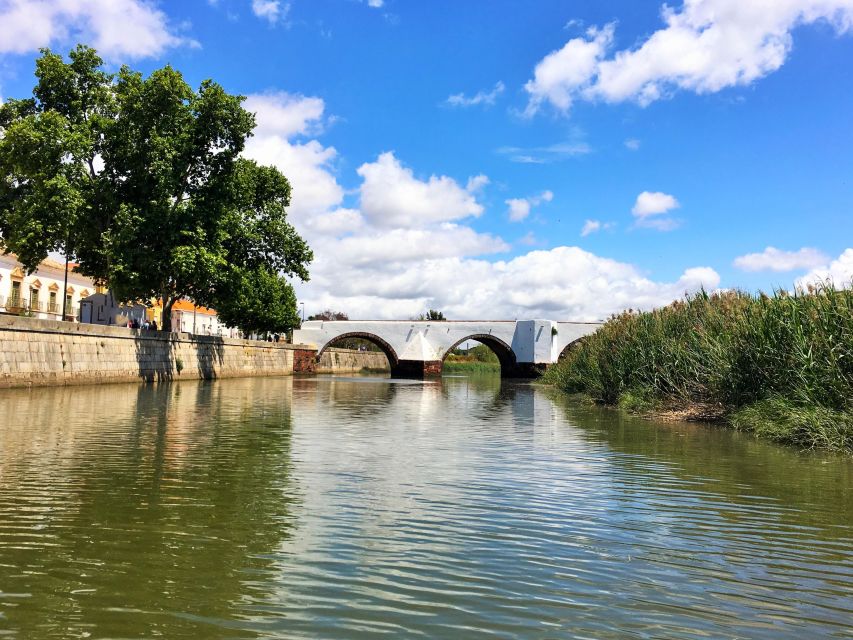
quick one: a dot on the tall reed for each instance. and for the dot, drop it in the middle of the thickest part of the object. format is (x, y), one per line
(746, 357)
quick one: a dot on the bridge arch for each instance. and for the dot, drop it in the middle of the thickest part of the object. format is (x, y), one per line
(570, 347)
(504, 352)
(387, 349)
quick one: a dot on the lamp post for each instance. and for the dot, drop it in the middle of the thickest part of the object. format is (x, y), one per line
(302, 304)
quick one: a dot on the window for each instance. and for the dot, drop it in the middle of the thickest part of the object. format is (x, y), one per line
(34, 299)
(52, 307)
(15, 298)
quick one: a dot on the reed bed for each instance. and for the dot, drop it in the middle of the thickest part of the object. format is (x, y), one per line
(780, 366)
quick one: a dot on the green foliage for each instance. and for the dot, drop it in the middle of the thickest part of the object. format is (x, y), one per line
(731, 351)
(257, 301)
(141, 181)
(479, 353)
(432, 314)
(179, 364)
(328, 314)
(470, 366)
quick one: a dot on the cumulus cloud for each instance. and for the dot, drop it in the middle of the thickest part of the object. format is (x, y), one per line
(286, 114)
(407, 246)
(481, 97)
(562, 74)
(839, 272)
(704, 47)
(633, 144)
(391, 195)
(534, 284)
(118, 29)
(519, 208)
(308, 165)
(270, 10)
(650, 209)
(773, 259)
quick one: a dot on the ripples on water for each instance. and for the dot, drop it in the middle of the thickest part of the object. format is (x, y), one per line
(339, 508)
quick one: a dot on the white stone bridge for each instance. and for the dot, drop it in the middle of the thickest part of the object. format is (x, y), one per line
(417, 348)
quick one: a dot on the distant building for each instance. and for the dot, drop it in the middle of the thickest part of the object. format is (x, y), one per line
(102, 308)
(189, 318)
(40, 293)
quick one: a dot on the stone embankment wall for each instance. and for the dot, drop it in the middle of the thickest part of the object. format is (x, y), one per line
(44, 352)
(335, 360)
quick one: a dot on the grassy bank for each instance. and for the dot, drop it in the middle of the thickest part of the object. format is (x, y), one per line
(471, 366)
(780, 366)
(478, 359)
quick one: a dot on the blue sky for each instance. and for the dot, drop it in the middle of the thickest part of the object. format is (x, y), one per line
(451, 154)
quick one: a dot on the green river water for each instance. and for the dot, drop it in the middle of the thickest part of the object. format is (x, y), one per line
(367, 508)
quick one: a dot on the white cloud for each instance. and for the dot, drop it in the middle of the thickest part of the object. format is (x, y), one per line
(118, 29)
(547, 154)
(477, 183)
(563, 73)
(590, 226)
(285, 114)
(705, 46)
(270, 10)
(594, 226)
(532, 285)
(839, 271)
(633, 144)
(376, 4)
(481, 97)
(652, 204)
(308, 165)
(773, 259)
(519, 208)
(407, 247)
(392, 196)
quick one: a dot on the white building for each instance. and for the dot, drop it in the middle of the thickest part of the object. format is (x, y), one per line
(40, 294)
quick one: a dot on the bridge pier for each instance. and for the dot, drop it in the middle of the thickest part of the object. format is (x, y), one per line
(523, 369)
(416, 369)
(421, 369)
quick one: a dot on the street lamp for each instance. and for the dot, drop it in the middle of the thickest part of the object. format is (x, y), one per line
(302, 304)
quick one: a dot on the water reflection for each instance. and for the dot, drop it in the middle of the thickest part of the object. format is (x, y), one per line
(348, 508)
(136, 511)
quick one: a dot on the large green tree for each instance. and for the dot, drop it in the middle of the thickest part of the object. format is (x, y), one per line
(140, 180)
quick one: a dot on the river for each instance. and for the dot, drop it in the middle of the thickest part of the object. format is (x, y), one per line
(362, 508)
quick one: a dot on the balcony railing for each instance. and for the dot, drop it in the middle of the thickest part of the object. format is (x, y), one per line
(15, 304)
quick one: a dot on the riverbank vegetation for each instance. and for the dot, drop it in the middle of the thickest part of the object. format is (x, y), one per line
(479, 359)
(779, 366)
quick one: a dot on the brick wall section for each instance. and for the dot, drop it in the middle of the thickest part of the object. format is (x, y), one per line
(44, 352)
(304, 360)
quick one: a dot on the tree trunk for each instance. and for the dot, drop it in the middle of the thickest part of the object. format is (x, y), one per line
(166, 318)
